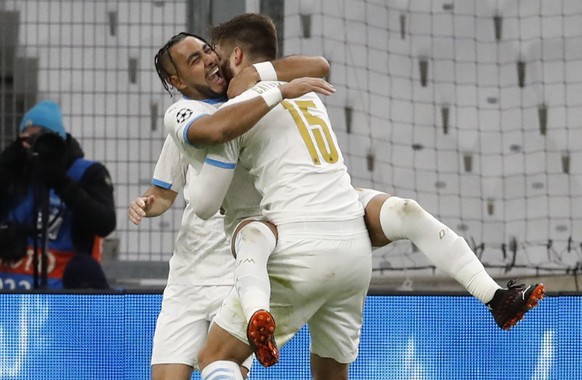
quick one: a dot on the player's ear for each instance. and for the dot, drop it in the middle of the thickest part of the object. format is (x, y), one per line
(176, 82)
(237, 56)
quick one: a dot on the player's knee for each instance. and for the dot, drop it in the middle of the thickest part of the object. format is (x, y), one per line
(255, 234)
(401, 218)
(405, 207)
(251, 231)
(205, 357)
(256, 231)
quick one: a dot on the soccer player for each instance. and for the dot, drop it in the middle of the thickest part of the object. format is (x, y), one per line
(321, 267)
(200, 275)
(392, 218)
(200, 268)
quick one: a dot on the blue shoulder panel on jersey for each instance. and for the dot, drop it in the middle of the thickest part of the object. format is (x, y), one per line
(162, 184)
(185, 134)
(222, 99)
(220, 164)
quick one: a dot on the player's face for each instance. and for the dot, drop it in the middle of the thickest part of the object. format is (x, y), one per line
(198, 74)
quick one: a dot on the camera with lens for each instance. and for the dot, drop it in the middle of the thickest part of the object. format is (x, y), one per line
(48, 146)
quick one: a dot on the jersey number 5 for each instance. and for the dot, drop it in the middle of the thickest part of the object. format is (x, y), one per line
(316, 135)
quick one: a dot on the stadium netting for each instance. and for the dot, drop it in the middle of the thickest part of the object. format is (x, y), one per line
(472, 108)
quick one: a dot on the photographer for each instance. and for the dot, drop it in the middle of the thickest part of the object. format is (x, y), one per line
(45, 169)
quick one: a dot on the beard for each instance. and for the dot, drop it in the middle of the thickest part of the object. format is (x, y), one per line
(226, 72)
(208, 92)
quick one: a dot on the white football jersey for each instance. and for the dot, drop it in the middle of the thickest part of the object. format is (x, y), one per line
(201, 253)
(177, 120)
(242, 203)
(293, 154)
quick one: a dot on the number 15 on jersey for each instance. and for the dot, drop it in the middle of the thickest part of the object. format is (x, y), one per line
(314, 131)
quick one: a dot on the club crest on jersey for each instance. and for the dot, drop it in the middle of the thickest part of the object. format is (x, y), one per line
(183, 115)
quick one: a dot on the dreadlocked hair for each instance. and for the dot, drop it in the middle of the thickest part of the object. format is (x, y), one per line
(163, 58)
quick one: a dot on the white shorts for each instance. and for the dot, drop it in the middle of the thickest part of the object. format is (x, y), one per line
(183, 323)
(320, 273)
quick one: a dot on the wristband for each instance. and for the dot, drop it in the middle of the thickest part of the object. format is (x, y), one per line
(266, 71)
(272, 96)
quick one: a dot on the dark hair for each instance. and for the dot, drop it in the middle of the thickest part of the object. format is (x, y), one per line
(163, 58)
(256, 32)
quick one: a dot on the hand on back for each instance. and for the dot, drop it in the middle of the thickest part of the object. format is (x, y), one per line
(301, 86)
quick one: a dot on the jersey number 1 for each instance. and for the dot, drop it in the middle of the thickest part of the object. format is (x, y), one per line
(319, 142)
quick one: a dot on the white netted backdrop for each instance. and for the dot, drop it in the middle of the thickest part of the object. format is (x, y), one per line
(473, 108)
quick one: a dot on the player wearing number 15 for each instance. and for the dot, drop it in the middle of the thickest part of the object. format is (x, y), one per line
(321, 267)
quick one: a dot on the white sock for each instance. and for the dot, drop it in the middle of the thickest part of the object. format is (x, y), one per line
(254, 244)
(223, 370)
(405, 219)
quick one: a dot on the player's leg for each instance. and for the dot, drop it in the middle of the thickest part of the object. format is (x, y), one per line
(221, 370)
(171, 371)
(335, 327)
(181, 329)
(335, 332)
(252, 244)
(328, 369)
(226, 346)
(399, 218)
(222, 355)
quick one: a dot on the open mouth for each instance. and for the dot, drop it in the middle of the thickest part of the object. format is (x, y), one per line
(214, 76)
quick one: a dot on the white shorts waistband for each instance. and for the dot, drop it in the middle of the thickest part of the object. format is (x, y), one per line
(341, 227)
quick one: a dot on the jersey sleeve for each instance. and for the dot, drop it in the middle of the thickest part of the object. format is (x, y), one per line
(223, 155)
(209, 190)
(170, 170)
(180, 116)
(178, 119)
(226, 155)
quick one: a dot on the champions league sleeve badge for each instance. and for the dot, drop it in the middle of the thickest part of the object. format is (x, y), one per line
(183, 115)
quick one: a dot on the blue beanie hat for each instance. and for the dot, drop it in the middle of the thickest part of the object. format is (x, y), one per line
(46, 114)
